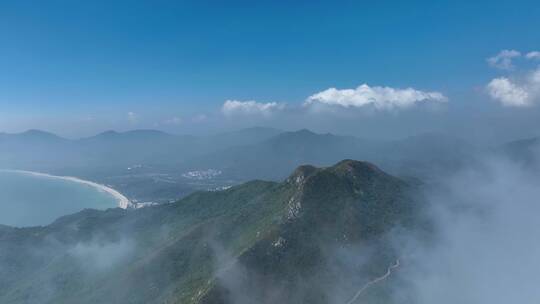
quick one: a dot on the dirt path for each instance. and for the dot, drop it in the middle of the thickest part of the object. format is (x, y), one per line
(374, 281)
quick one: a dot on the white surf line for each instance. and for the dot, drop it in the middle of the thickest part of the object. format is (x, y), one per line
(375, 281)
(123, 202)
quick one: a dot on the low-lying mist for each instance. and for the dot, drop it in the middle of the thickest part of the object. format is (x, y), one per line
(485, 245)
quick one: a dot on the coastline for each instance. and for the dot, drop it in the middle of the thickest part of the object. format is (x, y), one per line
(123, 202)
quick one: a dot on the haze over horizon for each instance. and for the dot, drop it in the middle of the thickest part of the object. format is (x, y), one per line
(76, 69)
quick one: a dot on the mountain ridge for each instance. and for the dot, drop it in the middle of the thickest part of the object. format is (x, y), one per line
(194, 248)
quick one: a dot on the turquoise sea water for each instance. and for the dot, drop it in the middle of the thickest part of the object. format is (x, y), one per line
(27, 200)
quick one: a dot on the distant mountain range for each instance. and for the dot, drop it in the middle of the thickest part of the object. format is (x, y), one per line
(273, 158)
(255, 153)
(297, 241)
(41, 150)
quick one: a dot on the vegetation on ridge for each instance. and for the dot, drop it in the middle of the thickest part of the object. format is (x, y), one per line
(260, 242)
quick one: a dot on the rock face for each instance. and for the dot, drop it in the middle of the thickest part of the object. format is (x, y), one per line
(313, 238)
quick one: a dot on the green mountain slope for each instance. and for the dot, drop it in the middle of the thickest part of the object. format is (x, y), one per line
(298, 241)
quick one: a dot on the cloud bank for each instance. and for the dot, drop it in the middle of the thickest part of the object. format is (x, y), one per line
(381, 98)
(486, 247)
(518, 91)
(521, 87)
(508, 93)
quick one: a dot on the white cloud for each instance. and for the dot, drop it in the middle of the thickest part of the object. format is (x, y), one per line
(132, 117)
(520, 92)
(503, 60)
(250, 107)
(507, 92)
(520, 88)
(382, 98)
(533, 55)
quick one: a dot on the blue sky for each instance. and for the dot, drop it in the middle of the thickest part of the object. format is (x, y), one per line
(77, 67)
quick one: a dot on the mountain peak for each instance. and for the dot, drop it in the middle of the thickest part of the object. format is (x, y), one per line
(108, 133)
(346, 168)
(141, 133)
(38, 134)
(347, 179)
(305, 131)
(301, 174)
(355, 167)
(299, 133)
(302, 136)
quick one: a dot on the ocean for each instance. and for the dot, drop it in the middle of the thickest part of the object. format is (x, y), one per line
(28, 200)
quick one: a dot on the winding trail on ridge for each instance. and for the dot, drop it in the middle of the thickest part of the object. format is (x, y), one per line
(374, 281)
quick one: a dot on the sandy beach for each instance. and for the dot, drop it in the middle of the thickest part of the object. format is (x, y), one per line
(123, 202)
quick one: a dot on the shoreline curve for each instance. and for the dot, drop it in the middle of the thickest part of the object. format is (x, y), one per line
(123, 201)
